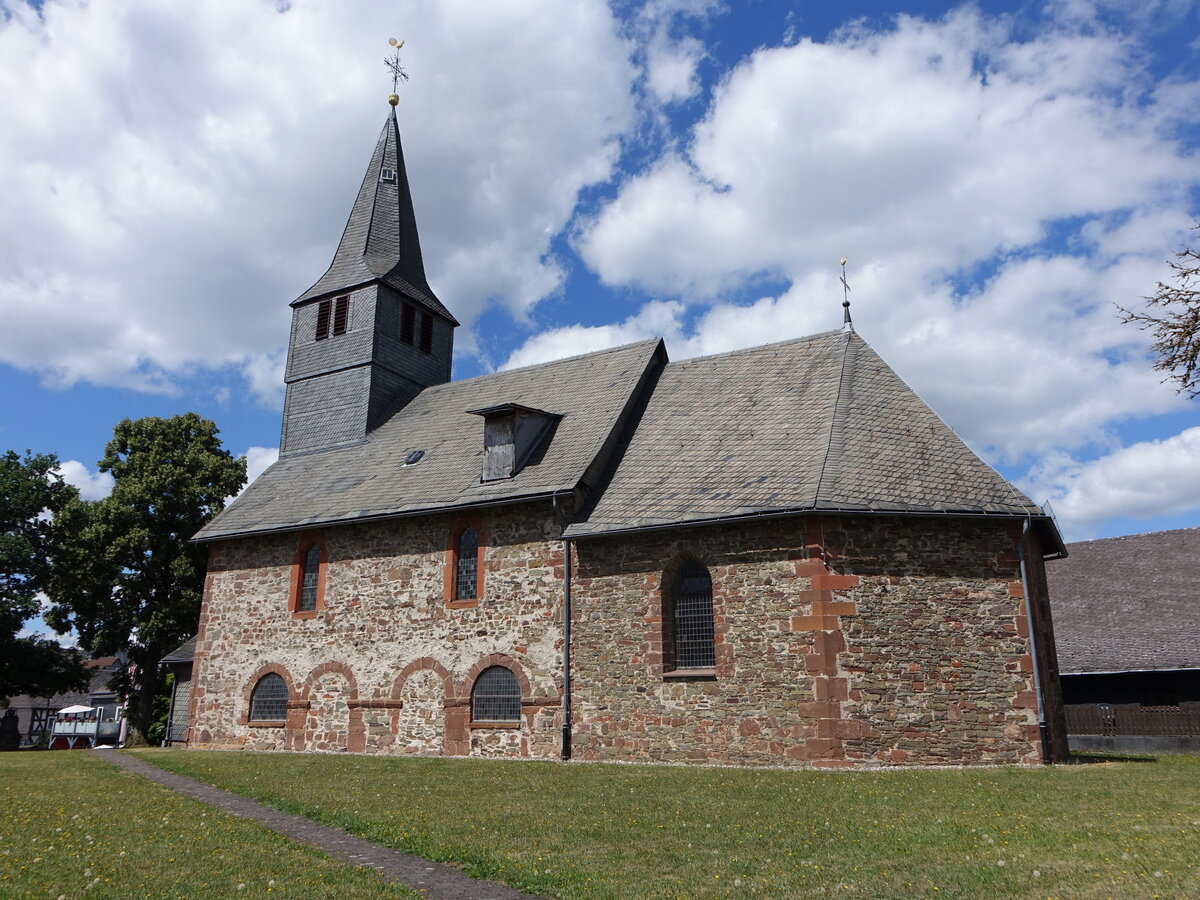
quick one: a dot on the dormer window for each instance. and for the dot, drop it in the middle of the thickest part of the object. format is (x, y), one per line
(335, 312)
(388, 175)
(511, 436)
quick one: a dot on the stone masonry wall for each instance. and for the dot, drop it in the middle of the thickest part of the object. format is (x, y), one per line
(851, 641)
(386, 664)
(839, 641)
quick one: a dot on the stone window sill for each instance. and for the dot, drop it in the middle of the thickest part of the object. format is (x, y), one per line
(462, 604)
(273, 724)
(697, 674)
(305, 614)
(509, 725)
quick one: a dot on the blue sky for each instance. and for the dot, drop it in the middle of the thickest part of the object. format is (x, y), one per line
(587, 174)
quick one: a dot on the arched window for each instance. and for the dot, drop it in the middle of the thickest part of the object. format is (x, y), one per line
(692, 618)
(268, 702)
(496, 696)
(307, 593)
(310, 572)
(466, 564)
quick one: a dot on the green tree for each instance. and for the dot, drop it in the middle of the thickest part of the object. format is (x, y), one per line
(31, 493)
(1173, 318)
(124, 575)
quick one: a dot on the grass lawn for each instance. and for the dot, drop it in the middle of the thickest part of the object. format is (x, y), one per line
(72, 825)
(1115, 829)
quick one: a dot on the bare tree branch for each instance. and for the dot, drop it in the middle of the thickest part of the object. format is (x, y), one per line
(1173, 317)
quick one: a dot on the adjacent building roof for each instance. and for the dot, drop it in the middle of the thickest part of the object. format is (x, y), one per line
(590, 394)
(184, 653)
(1128, 604)
(380, 241)
(820, 423)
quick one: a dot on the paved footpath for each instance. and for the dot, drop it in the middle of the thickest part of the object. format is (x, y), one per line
(429, 878)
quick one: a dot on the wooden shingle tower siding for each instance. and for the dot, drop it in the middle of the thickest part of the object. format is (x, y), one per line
(370, 334)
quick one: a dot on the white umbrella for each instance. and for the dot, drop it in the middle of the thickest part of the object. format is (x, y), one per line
(75, 709)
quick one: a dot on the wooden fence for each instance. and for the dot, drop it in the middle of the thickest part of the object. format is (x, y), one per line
(1105, 719)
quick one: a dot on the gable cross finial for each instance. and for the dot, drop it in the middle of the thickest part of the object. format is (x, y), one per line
(398, 73)
(847, 325)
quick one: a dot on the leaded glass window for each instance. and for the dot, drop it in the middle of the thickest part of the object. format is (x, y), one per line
(496, 696)
(308, 581)
(692, 617)
(268, 703)
(466, 565)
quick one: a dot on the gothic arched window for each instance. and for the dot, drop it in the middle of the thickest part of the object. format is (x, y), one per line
(466, 564)
(691, 618)
(308, 576)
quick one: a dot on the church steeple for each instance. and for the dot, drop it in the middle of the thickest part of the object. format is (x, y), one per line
(381, 240)
(371, 333)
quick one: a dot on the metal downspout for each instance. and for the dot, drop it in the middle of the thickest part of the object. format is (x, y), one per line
(166, 741)
(566, 652)
(1033, 649)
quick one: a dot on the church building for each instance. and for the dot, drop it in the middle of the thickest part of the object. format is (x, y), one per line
(776, 556)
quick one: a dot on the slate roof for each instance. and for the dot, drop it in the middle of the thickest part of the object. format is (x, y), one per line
(591, 394)
(184, 653)
(1128, 604)
(819, 423)
(815, 424)
(380, 240)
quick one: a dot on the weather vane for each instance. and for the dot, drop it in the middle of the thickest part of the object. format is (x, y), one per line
(398, 73)
(846, 323)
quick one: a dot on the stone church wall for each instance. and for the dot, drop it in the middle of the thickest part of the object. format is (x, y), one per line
(839, 641)
(386, 663)
(852, 641)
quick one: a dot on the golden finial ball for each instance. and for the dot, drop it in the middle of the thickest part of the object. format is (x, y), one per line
(394, 99)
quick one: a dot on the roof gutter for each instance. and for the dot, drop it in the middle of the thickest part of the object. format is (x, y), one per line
(1170, 671)
(832, 510)
(377, 517)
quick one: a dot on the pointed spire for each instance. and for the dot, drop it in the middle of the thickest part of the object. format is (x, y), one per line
(380, 241)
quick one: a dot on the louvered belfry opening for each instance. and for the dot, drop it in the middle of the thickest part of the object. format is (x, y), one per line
(692, 617)
(341, 315)
(268, 703)
(324, 311)
(496, 696)
(408, 324)
(426, 345)
(308, 584)
(466, 571)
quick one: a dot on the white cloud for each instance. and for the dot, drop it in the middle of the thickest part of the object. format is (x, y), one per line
(91, 486)
(668, 55)
(174, 174)
(258, 460)
(1146, 479)
(944, 158)
(654, 320)
(671, 67)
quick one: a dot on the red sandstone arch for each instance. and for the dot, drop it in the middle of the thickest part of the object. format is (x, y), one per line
(418, 665)
(247, 693)
(356, 738)
(497, 659)
(324, 669)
